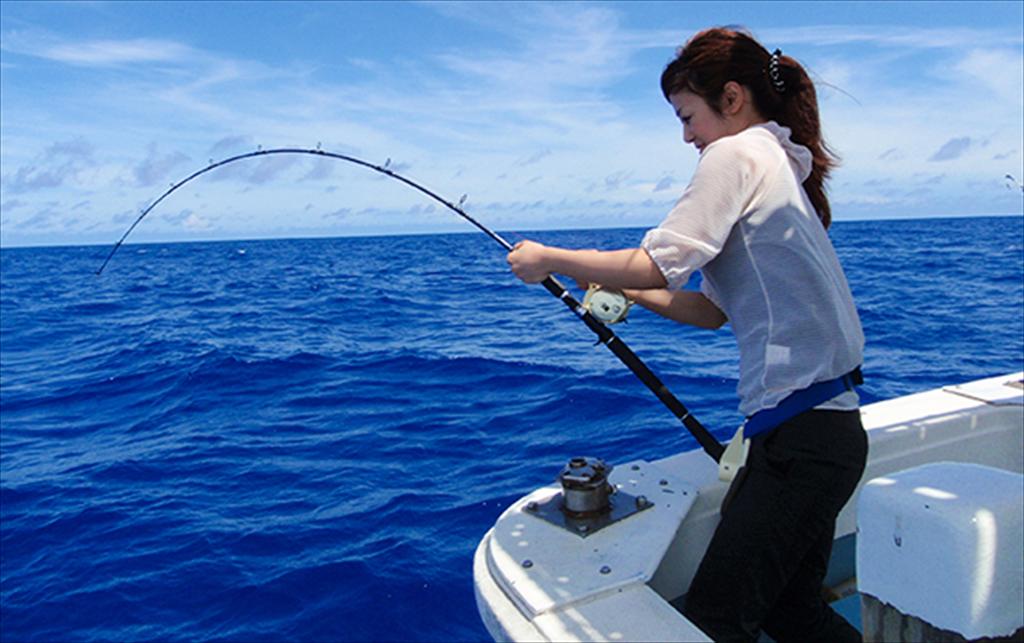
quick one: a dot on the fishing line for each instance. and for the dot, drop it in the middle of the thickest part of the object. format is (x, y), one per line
(604, 334)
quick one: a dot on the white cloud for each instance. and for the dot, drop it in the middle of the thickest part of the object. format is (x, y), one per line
(533, 118)
(999, 70)
(663, 184)
(568, 53)
(954, 148)
(96, 53)
(533, 158)
(231, 145)
(59, 163)
(899, 36)
(196, 223)
(156, 166)
(617, 180)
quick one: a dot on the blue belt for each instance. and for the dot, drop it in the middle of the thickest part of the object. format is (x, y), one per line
(799, 401)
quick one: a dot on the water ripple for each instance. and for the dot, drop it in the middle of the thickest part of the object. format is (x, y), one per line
(306, 441)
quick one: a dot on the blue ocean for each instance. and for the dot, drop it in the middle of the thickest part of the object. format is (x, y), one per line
(304, 440)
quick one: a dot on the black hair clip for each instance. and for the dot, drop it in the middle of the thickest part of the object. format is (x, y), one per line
(775, 74)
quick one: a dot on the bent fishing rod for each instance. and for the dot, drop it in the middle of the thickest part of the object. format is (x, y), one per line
(604, 334)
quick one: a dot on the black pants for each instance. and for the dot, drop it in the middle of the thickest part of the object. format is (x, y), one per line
(764, 567)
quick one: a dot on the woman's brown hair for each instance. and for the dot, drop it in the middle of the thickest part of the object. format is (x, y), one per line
(781, 89)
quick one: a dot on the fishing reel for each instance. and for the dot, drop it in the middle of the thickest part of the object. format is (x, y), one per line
(608, 305)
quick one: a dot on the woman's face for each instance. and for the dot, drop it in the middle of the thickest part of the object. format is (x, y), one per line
(701, 124)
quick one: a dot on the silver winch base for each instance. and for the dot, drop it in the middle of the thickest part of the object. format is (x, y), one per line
(621, 506)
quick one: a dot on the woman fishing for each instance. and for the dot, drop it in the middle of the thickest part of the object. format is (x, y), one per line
(753, 221)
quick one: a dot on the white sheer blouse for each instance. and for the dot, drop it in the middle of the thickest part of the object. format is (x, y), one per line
(746, 223)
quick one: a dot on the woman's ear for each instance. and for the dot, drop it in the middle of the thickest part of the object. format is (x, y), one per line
(733, 98)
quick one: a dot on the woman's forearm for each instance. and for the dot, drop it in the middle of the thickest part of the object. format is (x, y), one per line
(632, 268)
(683, 306)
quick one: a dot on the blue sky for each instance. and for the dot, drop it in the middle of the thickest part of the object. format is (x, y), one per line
(545, 115)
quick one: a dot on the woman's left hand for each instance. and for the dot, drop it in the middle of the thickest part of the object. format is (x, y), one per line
(528, 261)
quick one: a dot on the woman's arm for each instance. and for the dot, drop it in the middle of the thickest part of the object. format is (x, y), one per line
(632, 271)
(633, 268)
(684, 306)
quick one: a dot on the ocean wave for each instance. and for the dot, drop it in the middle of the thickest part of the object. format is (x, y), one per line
(280, 448)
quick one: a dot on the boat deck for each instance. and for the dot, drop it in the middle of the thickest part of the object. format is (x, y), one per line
(980, 423)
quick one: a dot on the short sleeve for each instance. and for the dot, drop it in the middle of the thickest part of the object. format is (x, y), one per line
(708, 290)
(695, 230)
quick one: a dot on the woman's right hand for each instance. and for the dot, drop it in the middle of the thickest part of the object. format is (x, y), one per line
(528, 261)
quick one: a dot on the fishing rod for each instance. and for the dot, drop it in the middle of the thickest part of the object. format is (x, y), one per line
(604, 334)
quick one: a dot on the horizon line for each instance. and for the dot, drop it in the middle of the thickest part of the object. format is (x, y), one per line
(381, 235)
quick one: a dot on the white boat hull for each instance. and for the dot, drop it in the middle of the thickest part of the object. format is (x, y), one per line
(562, 598)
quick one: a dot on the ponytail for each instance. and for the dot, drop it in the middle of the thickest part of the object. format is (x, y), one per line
(781, 89)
